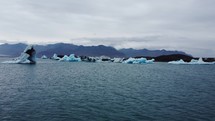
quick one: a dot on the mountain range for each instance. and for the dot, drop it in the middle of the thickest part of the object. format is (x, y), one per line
(66, 49)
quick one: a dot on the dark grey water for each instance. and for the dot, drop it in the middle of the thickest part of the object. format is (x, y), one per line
(57, 91)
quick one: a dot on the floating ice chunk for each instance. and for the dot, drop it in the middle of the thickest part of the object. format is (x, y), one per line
(117, 60)
(55, 57)
(22, 59)
(129, 61)
(103, 59)
(91, 59)
(178, 62)
(28, 56)
(192, 62)
(138, 61)
(64, 58)
(150, 61)
(88, 59)
(200, 61)
(44, 57)
(98, 61)
(74, 59)
(70, 58)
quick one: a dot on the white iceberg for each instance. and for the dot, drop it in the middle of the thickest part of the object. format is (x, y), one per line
(178, 62)
(55, 57)
(91, 59)
(88, 59)
(192, 62)
(138, 61)
(200, 61)
(103, 59)
(150, 61)
(44, 57)
(117, 60)
(70, 58)
(27, 56)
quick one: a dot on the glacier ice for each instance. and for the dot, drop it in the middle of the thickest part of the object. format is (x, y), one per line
(200, 61)
(55, 57)
(192, 62)
(138, 61)
(27, 56)
(117, 60)
(44, 57)
(70, 58)
(88, 59)
(150, 61)
(181, 61)
(103, 59)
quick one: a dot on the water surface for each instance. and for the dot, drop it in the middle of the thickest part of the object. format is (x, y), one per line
(62, 91)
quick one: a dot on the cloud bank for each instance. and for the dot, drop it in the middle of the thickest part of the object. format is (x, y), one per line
(186, 25)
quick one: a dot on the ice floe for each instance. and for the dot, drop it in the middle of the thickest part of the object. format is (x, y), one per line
(138, 61)
(117, 60)
(177, 62)
(44, 57)
(70, 58)
(192, 62)
(55, 57)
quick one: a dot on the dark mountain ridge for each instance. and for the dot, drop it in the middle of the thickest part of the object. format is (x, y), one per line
(150, 53)
(66, 49)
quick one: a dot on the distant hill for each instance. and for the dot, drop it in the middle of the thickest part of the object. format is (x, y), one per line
(173, 57)
(12, 49)
(61, 49)
(149, 53)
(66, 49)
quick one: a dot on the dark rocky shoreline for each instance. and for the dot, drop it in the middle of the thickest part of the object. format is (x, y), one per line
(175, 57)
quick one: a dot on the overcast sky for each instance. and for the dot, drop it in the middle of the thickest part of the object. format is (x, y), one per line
(187, 25)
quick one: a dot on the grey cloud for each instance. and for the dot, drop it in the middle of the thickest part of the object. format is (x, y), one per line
(172, 24)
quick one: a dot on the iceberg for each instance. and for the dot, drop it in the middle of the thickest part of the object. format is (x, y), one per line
(70, 58)
(27, 56)
(117, 60)
(88, 59)
(138, 61)
(91, 59)
(150, 61)
(200, 61)
(181, 61)
(55, 57)
(192, 62)
(44, 57)
(103, 59)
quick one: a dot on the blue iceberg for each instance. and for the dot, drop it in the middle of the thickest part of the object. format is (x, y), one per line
(138, 61)
(70, 58)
